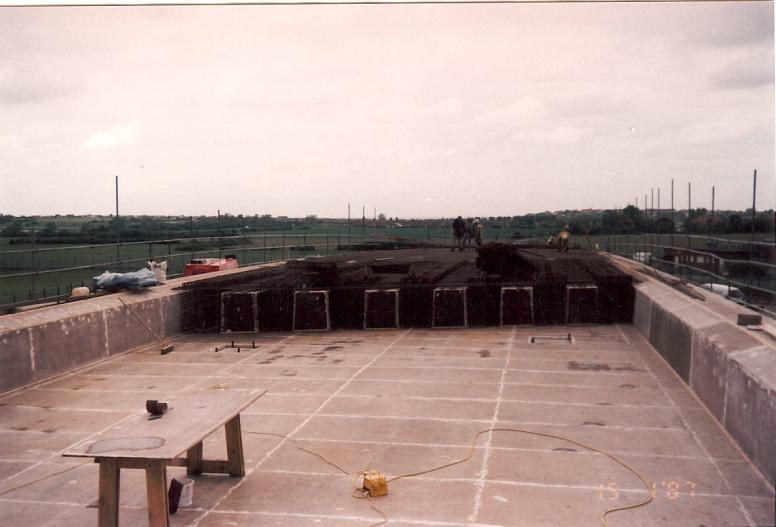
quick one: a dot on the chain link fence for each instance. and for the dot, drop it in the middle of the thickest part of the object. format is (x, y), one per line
(742, 270)
(42, 274)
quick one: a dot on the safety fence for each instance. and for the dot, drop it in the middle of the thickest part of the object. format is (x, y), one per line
(742, 270)
(43, 274)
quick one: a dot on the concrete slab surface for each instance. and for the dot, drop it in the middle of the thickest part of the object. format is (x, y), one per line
(400, 401)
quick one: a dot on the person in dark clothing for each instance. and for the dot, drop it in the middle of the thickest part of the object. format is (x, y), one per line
(458, 229)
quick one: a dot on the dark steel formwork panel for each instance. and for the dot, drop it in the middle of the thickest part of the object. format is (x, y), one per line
(416, 306)
(311, 311)
(549, 302)
(239, 311)
(276, 309)
(483, 305)
(449, 308)
(346, 307)
(200, 311)
(616, 300)
(517, 306)
(381, 308)
(582, 304)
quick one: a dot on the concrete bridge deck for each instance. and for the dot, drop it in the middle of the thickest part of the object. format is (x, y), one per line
(401, 401)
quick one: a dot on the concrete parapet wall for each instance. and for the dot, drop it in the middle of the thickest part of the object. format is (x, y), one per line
(731, 369)
(41, 343)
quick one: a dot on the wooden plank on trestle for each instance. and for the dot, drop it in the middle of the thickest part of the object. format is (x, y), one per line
(193, 415)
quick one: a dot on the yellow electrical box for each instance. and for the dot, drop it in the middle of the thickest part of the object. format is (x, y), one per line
(375, 483)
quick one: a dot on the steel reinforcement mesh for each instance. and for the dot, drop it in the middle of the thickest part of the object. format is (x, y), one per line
(417, 274)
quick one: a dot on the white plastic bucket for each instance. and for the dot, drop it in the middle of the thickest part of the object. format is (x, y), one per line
(187, 493)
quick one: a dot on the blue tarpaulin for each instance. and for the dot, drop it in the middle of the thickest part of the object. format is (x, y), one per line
(142, 278)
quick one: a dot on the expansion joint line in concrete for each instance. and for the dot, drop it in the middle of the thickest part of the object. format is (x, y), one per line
(692, 432)
(58, 453)
(486, 454)
(32, 348)
(233, 365)
(301, 425)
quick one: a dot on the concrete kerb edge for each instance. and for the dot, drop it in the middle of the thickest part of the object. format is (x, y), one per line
(702, 322)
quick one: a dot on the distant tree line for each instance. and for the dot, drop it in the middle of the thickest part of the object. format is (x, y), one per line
(630, 220)
(140, 228)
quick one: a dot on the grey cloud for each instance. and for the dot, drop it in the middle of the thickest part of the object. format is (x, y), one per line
(744, 27)
(731, 26)
(743, 75)
(23, 84)
(19, 94)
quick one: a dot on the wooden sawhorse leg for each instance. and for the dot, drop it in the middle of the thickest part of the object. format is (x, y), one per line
(156, 487)
(108, 493)
(234, 449)
(235, 461)
(194, 460)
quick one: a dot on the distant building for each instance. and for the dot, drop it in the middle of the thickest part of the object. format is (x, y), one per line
(705, 261)
(708, 220)
(727, 262)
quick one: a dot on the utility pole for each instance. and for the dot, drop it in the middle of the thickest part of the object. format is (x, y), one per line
(652, 202)
(191, 235)
(689, 208)
(689, 201)
(712, 209)
(754, 197)
(219, 233)
(118, 228)
(658, 201)
(348, 225)
(673, 225)
(712, 200)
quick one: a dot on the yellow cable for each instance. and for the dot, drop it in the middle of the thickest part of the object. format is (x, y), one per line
(303, 449)
(472, 446)
(335, 465)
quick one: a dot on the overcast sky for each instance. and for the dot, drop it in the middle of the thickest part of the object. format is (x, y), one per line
(433, 110)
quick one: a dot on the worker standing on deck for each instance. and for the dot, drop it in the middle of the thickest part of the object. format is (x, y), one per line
(563, 239)
(468, 229)
(477, 226)
(458, 227)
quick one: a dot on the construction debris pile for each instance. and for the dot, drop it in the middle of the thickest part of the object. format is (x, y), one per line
(506, 285)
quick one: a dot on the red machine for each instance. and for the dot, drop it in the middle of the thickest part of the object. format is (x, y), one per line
(208, 265)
